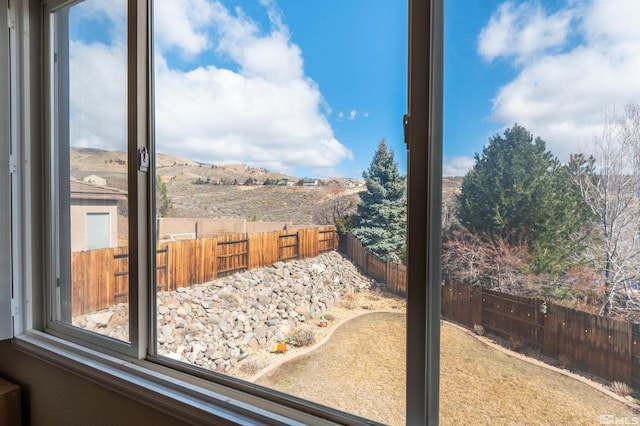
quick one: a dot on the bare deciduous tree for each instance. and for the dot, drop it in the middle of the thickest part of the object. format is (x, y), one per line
(336, 209)
(610, 187)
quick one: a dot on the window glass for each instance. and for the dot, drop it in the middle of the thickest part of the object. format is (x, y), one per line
(266, 117)
(88, 119)
(540, 224)
(98, 230)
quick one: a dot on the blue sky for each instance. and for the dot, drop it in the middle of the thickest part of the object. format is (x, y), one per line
(355, 56)
(310, 87)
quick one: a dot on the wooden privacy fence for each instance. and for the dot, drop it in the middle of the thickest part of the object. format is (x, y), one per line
(100, 277)
(602, 346)
(393, 274)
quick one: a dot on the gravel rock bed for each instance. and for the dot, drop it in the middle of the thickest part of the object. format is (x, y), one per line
(221, 324)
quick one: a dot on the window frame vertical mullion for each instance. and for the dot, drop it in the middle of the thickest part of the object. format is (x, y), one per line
(140, 248)
(424, 140)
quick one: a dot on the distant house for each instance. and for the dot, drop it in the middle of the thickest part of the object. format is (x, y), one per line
(350, 183)
(94, 215)
(333, 182)
(95, 180)
(309, 182)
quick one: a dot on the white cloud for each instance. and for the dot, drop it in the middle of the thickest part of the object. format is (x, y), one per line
(562, 96)
(523, 31)
(182, 25)
(457, 166)
(266, 112)
(98, 111)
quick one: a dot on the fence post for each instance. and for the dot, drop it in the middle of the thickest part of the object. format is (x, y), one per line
(386, 273)
(366, 262)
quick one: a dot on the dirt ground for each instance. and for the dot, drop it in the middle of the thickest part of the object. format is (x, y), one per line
(361, 369)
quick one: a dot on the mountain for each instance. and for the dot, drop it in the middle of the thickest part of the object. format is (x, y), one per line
(219, 191)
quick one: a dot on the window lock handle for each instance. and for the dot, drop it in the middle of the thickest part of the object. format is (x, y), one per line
(143, 159)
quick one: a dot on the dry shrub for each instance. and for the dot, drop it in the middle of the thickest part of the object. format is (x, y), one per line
(478, 329)
(349, 299)
(375, 294)
(304, 337)
(564, 361)
(251, 366)
(590, 284)
(621, 388)
(488, 263)
(329, 317)
(516, 344)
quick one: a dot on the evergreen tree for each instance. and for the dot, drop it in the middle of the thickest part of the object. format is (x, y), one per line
(163, 202)
(517, 192)
(381, 218)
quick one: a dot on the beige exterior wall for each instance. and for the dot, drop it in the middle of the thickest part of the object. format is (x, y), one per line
(79, 210)
(168, 226)
(210, 227)
(257, 227)
(202, 228)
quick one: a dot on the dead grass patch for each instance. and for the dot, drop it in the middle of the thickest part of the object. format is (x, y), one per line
(361, 369)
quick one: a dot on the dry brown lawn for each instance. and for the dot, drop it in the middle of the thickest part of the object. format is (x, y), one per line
(361, 370)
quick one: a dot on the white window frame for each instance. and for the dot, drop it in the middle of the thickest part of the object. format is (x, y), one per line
(6, 292)
(127, 369)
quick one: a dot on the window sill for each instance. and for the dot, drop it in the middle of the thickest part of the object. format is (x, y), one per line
(162, 388)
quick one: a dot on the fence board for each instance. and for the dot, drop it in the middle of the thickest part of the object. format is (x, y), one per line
(462, 304)
(355, 251)
(397, 278)
(327, 239)
(287, 245)
(592, 343)
(601, 346)
(232, 256)
(513, 316)
(393, 274)
(635, 356)
(308, 243)
(262, 250)
(99, 280)
(376, 267)
(162, 263)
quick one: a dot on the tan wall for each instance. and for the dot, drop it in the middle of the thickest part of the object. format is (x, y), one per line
(79, 223)
(212, 227)
(203, 228)
(257, 227)
(296, 228)
(168, 226)
(51, 396)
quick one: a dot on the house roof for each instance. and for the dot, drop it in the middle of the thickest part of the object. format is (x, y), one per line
(95, 178)
(87, 191)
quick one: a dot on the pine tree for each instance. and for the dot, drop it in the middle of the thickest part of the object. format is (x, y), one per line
(381, 218)
(518, 192)
(163, 202)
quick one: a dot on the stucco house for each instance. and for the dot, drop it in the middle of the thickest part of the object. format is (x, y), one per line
(96, 180)
(94, 215)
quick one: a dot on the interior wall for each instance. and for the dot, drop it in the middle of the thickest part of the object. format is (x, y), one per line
(51, 396)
